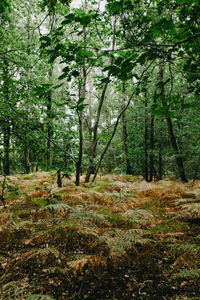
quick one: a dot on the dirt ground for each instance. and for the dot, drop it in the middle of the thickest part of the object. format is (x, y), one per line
(119, 238)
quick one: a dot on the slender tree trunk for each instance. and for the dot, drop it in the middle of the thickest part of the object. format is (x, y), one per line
(146, 167)
(152, 144)
(49, 127)
(151, 158)
(94, 139)
(160, 165)
(27, 159)
(27, 146)
(59, 179)
(6, 145)
(178, 157)
(80, 155)
(6, 125)
(82, 92)
(160, 156)
(124, 135)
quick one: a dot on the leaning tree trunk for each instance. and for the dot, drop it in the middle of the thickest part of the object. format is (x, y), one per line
(111, 138)
(95, 138)
(178, 157)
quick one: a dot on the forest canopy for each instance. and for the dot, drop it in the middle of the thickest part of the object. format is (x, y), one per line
(109, 86)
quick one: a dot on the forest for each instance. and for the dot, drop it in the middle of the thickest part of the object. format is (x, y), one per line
(99, 149)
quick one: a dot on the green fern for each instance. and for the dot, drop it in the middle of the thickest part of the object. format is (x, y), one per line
(188, 273)
(14, 290)
(36, 297)
(186, 247)
(86, 215)
(53, 270)
(45, 251)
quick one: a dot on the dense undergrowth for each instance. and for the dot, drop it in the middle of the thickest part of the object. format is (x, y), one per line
(119, 238)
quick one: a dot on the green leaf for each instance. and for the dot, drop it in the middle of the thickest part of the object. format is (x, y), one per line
(64, 75)
(68, 19)
(45, 39)
(80, 100)
(75, 73)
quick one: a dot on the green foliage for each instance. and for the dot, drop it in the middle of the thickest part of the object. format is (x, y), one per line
(188, 273)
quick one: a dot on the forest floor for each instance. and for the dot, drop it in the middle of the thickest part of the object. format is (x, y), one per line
(119, 238)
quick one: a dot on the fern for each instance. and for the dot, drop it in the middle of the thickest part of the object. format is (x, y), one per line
(186, 247)
(188, 273)
(25, 223)
(120, 240)
(14, 290)
(86, 216)
(45, 251)
(53, 270)
(58, 207)
(36, 297)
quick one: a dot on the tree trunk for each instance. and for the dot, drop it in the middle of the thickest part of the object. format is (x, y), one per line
(111, 138)
(94, 141)
(146, 167)
(59, 179)
(151, 158)
(82, 91)
(124, 135)
(6, 124)
(6, 145)
(49, 127)
(27, 159)
(160, 166)
(80, 155)
(27, 146)
(93, 147)
(178, 157)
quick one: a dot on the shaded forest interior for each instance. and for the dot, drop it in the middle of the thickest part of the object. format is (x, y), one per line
(100, 88)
